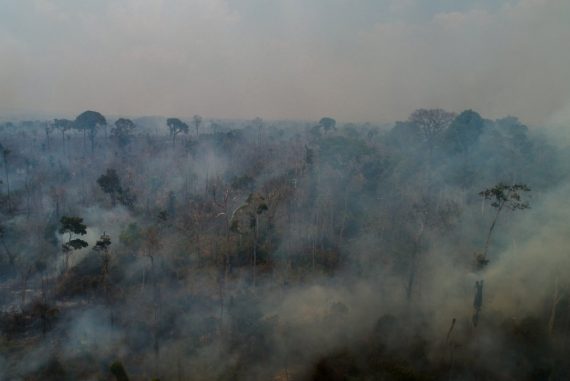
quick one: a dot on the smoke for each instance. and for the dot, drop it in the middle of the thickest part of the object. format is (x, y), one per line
(369, 61)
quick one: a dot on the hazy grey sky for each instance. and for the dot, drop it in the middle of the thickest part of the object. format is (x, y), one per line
(355, 60)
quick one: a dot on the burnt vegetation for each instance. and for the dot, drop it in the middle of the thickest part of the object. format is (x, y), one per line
(281, 250)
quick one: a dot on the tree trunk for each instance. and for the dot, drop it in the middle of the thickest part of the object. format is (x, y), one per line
(488, 240)
(255, 248)
(7, 181)
(413, 266)
(555, 301)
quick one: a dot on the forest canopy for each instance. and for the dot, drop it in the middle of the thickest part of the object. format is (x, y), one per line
(290, 250)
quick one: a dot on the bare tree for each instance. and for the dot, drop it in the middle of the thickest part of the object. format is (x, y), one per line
(197, 121)
(63, 125)
(432, 122)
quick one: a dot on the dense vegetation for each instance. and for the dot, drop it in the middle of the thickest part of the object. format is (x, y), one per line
(249, 250)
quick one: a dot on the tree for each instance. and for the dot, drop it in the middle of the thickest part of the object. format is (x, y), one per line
(102, 246)
(89, 122)
(122, 132)
(5, 153)
(327, 124)
(11, 256)
(257, 123)
(175, 127)
(63, 125)
(254, 206)
(464, 132)
(110, 184)
(72, 226)
(432, 123)
(502, 196)
(197, 121)
(48, 128)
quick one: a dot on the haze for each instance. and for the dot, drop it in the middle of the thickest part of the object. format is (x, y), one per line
(357, 61)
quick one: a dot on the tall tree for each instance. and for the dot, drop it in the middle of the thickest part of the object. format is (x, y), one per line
(502, 196)
(122, 133)
(102, 246)
(463, 132)
(175, 127)
(72, 226)
(5, 153)
(48, 128)
(197, 121)
(89, 122)
(63, 125)
(251, 211)
(432, 122)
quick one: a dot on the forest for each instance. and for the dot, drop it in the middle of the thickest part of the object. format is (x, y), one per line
(164, 248)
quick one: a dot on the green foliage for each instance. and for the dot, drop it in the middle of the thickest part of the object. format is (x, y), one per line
(508, 196)
(73, 225)
(103, 243)
(76, 244)
(127, 198)
(111, 184)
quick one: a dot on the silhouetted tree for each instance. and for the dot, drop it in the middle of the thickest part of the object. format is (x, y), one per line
(48, 128)
(122, 133)
(432, 123)
(197, 121)
(110, 184)
(89, 122)
(502, 196)
(175, 127)
(63, 125)
(463, 132)
(327, 124)
(72, 226)
(5, 153)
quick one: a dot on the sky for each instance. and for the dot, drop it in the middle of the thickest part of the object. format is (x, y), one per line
(353, 60)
